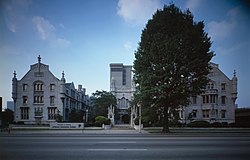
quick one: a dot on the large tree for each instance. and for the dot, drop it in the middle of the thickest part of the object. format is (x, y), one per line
(172, 61)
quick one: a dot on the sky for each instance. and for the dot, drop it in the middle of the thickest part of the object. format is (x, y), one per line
(82, 37)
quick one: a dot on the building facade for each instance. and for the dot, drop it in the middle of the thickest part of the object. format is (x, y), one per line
(122, 87)
(217, 103)
(41, 98)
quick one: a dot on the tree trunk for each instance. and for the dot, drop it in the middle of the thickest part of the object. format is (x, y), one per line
(165, 121)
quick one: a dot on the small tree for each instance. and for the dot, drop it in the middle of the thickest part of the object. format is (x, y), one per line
(172, 61)
(59, 117)
(99, 120)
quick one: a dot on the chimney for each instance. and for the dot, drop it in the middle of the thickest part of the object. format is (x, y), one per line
(79, 87)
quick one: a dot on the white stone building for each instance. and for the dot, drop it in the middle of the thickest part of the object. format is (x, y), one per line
(122, 87)
(40, 98)
(217, 103)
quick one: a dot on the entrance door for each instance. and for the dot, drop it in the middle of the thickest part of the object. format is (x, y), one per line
(126, 118)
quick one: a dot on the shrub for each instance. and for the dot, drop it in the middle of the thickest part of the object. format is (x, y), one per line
(89, 125)
(225, 124)
(158, 124)
(99, 120)
(232, 125)
(20, 122)
(216, 124)
(175, 124)
(143, 121)
(199, 124)
(107, 121)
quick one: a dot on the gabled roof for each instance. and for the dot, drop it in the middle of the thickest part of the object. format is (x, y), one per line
(216, 66)
(70, 85)
(35, 66)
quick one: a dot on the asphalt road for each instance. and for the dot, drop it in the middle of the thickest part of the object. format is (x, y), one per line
(118, 147)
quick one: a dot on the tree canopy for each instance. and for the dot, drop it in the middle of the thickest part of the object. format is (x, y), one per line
(172, 60)
(77, 115)
(7, 117)
(101, 101)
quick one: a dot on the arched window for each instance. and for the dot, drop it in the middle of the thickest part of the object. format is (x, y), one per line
(123, 102)
(38, 86)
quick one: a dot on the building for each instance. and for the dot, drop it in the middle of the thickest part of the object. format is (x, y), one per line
(41, 98)
(1, 111)
(217, 103)
(10, 105)
(122, 87)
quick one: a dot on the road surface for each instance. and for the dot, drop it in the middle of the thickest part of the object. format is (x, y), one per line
(129, 147)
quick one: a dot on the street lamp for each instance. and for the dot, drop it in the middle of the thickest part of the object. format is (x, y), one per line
(87, 115)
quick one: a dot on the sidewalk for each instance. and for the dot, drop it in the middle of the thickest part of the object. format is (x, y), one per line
(63, 131)
(199, 130)
(149, 130)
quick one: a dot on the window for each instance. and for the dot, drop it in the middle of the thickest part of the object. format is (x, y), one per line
(38, 99)
(205, 99)
(208, 99)
(124, 77)
(210, 85)
(194, 100)
(223, 86)
(38, 86)
(67, 102)
(122, 103)
(73, 93)
(51, 113)
(205, 113)
(52, 87)
(194, 113)
(223, 100)
(25, 100)
(214, 113)
(24, 113)
(38, 111)
(25, 87)
(223, 113)
(213, 98)
(52, 100)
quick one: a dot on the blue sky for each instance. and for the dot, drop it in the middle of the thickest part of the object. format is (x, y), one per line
(83, 37)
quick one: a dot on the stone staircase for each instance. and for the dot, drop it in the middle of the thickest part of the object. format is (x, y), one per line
(122, 127)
